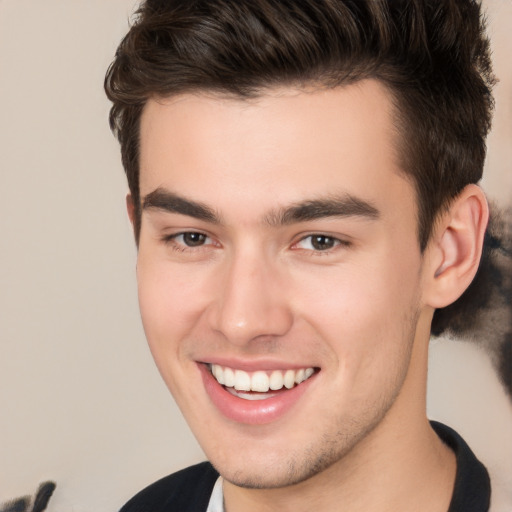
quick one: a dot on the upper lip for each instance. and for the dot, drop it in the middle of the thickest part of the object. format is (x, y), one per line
(255, 365)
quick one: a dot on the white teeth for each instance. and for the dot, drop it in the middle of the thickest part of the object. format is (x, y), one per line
(229, 376)
(259, 381)
(250, 396)
(289, 379)
(242, 381)
(276, 380)
(219, 374)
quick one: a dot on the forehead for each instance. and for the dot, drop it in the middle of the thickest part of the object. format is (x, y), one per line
(281, 147)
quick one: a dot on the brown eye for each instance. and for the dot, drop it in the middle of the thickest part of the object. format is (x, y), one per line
(193, 239)
(322, 242)
(319, 243)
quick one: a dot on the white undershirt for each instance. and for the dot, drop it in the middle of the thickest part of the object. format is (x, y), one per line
(216, 503)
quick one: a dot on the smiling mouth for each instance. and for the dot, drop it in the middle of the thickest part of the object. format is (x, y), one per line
(258, 385)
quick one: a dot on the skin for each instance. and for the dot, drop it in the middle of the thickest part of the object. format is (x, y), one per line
(256, 291)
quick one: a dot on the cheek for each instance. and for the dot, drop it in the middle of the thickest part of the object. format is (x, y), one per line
(171, 302)
(365, 311)
(170, 305)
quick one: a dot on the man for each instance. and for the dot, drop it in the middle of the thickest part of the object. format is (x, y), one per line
(303, 191)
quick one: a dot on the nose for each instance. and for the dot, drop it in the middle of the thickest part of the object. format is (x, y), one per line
(251, 302)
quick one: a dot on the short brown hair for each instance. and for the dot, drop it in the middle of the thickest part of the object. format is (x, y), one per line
(433, 57)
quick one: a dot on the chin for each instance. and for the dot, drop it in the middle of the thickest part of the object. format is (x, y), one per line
(278, 470)
(266, 479)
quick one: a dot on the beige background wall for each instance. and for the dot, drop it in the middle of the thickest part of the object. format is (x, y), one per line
(80, 400)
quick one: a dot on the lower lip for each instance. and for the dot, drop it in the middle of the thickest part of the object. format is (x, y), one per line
(252, 412)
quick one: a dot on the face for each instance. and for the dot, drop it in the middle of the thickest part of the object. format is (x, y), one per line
(279, 273)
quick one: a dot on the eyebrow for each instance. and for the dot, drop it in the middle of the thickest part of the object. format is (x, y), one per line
(161, 199)
(345, 205)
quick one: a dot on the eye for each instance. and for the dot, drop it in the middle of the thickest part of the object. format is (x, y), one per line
(318, 242)
(192, 239)
(189, 239)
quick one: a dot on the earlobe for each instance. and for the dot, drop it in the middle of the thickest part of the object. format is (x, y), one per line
(457, 247)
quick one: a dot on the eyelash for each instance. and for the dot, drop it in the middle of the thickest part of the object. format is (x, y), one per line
(337, 243)
(183, 247)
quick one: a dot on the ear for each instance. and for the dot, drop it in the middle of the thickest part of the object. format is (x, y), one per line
(456, 247)
(130, 208)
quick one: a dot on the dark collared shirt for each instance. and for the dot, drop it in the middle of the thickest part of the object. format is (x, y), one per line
(189, 490)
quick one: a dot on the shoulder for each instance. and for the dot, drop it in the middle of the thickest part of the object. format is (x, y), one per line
(472, 491)
(186, 490)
